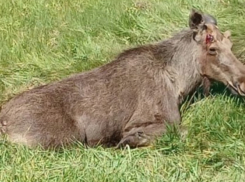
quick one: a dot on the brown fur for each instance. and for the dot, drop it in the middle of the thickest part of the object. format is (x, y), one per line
(128, 101)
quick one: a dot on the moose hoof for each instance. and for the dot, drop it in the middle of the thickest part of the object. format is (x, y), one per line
(137, 139)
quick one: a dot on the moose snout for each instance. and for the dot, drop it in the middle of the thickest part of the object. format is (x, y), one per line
(237, 81)
(239, 86)
(242, 87)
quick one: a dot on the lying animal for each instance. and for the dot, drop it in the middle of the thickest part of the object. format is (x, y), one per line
(130, 100)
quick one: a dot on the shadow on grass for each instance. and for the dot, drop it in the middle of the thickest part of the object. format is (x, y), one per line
(216, 89)
(172, 142)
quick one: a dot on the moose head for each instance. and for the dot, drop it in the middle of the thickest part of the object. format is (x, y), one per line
(217, 62)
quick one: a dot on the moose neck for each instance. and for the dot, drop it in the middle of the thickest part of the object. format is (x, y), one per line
(183, 63)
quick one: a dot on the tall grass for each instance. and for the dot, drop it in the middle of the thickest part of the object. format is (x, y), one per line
(43, 41)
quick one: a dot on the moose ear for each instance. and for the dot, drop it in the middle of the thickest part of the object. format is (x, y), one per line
(209, 19)
(227, 34)
(195, 19)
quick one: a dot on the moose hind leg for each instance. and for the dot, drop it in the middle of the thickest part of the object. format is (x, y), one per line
(51, 132)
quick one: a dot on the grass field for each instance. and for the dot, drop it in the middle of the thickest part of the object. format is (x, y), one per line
(43, 41)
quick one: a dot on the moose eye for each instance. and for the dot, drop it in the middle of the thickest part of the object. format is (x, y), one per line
(212, 51)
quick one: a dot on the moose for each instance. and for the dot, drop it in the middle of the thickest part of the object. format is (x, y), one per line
(132, 99)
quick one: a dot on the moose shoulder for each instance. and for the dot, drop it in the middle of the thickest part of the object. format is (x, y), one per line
(131, 99)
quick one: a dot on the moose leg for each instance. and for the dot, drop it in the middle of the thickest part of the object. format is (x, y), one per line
(150, 120)
(142, 136)
(137, 139)
(143, 129)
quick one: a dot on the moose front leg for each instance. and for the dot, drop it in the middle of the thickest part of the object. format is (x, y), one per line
(150, 120)
(139, 136)
(140, 132)
(138, 139)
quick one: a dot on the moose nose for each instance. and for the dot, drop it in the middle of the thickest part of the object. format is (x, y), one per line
(242, 87)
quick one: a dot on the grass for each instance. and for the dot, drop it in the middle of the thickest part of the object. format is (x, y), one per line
(43, 41)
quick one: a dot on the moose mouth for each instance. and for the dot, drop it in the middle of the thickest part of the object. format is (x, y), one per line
(236, 89)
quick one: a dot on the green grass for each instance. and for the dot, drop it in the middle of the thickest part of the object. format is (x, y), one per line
(43, 41)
